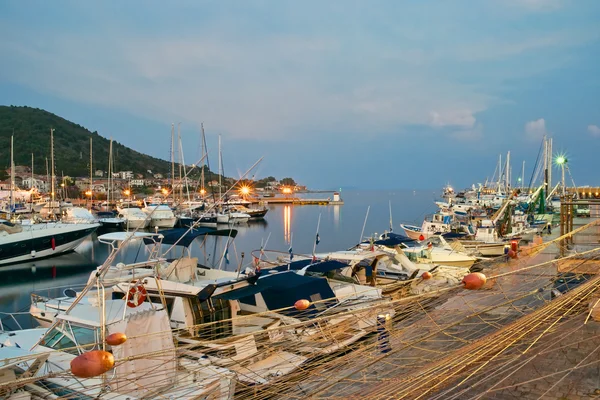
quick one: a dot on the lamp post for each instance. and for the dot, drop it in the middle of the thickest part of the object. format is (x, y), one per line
(561, 161)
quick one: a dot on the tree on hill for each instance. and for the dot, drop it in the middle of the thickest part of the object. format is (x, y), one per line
(288, 182)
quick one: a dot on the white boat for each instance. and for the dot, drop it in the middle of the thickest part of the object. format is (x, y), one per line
(134, 218)
(161, 215)
(24, 242)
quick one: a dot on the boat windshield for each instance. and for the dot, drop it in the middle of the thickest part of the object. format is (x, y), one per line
(71, 338)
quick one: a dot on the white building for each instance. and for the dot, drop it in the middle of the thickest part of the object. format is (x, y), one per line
(40, 185)
(126, 174)
(137, 182)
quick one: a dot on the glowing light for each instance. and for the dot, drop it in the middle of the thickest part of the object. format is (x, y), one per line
(127, 192)
(560, 159)
(286, 190)
(202, 192)
(245, 190)
(164, 191)
(88, 193)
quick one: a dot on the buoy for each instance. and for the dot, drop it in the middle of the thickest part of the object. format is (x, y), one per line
(136, 295)
(514, 245)
(92, 363)
(302, 304)
(53, 243)
(426, 275)
(421, 238)
(512, 254)
(474, 280)
(115, 339)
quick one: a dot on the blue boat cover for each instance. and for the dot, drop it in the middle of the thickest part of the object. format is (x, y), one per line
(393, 239)
(185, 237)
(283, 289)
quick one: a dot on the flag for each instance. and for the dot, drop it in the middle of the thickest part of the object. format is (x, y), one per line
(317, 240)
(291, 253)
(226, 256)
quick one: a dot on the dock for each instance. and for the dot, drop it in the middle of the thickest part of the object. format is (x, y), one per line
(298, 201)
(336, 200)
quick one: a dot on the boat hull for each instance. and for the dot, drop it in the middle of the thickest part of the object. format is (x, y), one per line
(163, 222)
(37, 241)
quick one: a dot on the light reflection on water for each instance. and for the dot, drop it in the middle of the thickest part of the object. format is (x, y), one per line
(282, 223)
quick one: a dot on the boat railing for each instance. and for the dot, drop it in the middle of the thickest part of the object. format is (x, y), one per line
(10, 316)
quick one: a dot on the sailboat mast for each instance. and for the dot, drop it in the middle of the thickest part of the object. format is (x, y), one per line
(180, 160)
(202, 189)
(508, 171)
(12, 177)
(173, 161)
(220, 169)
(52, 165)
(109, 172)
(91, 173)
(182, 164)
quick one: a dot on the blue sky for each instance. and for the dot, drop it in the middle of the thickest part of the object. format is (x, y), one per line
(372, 94)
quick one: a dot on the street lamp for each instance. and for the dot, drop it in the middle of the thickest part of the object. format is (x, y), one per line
(561, 160)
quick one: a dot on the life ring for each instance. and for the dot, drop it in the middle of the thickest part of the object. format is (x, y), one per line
(137, 295)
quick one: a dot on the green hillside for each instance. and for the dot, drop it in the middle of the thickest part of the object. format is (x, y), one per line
(31, 127)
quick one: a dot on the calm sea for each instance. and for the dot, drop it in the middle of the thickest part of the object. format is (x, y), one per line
(340, 228)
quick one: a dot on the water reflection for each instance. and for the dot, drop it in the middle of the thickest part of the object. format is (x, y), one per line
(336, 216)
(287, 223)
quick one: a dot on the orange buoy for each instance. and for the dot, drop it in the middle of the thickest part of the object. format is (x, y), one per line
(421, 238)
(514, 245)
(302, 304)
(512, 254)
(474, 280)
(426, 275)
(115, 339)
(92, 363)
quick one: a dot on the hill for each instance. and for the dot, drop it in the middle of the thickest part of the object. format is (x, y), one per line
(31, 127)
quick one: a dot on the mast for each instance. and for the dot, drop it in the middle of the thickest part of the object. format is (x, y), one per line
(220, 169)
(202, 189)
(508, 171)
(47, 173)
(180, 160)
(549, 164)
(91, 173)
(173, 161)
(182, 165)
(52, 165)
(109, 172)
(12, 177)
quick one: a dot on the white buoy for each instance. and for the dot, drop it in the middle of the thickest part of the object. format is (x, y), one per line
(32, 253)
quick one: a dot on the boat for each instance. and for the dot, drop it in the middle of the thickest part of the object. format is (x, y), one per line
(24, 242)
(161, 215)
(134, 218)
(253, 213)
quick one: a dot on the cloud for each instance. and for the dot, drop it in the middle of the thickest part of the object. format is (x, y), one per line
(594, 130)
(535, 130)
(463, 118)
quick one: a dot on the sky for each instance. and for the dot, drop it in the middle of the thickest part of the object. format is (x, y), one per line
(336, 94)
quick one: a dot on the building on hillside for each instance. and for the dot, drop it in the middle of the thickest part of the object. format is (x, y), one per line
(158, 176)
(36, 183)
(4, 185)
(99, 173)
(126, 174)
(137, 182)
